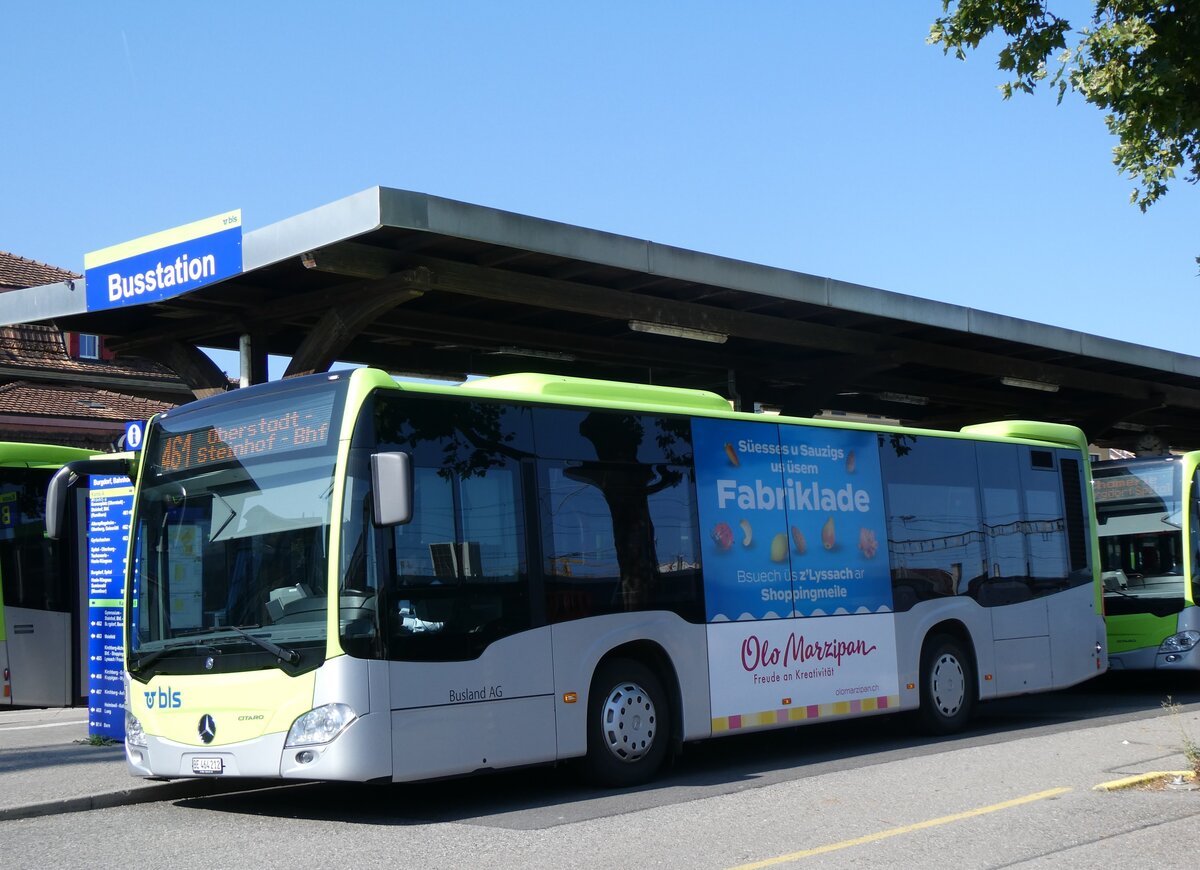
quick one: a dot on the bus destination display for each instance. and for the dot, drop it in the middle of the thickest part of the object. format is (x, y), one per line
(278, 427)
(1141, 484)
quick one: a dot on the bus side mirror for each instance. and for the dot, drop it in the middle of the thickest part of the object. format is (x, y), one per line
(392, 484)
(65, 478)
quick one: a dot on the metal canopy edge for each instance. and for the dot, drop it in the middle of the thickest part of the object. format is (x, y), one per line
(377, 207)
(398, 278)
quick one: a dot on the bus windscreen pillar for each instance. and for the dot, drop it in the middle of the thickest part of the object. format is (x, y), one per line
(110, 504)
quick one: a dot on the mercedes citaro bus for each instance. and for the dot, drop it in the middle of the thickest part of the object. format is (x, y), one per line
(343, 577)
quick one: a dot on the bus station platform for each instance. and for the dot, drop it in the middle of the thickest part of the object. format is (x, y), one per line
(48, 766)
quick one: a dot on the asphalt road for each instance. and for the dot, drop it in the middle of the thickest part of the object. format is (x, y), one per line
(1017, 790)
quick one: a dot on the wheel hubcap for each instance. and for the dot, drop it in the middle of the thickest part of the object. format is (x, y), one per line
(628, 722)
(948, 685)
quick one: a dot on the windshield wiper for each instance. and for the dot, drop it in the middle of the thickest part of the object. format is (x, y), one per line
(146, 659)
(290, 656)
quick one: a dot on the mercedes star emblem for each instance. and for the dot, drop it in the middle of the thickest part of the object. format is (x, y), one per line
(207, 729)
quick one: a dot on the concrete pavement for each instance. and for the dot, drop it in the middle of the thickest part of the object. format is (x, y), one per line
(47, 766)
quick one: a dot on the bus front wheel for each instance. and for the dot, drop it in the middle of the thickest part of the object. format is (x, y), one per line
(947, 685)
(628, 724)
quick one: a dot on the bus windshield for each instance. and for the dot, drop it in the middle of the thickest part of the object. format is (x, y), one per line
(231, 535)
(29, 565)
(1140, 516)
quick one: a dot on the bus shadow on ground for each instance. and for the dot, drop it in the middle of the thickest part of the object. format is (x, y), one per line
(545, 797)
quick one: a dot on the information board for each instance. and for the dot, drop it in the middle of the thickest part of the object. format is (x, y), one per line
(110, 505)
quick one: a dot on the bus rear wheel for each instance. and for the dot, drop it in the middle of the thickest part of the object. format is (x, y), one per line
(628, 724)
(947, 685)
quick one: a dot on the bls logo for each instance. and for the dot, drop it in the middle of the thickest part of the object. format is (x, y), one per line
(164, 698)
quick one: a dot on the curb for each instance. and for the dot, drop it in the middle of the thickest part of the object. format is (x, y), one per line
(1141, 779)
(162, 792)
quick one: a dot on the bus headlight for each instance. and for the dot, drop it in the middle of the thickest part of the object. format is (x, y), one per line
(134, 735)
(1181, 642)
(320, 725)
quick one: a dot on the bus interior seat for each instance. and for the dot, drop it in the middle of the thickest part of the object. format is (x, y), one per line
(279, 599)
(998, 591)
(1115, 581)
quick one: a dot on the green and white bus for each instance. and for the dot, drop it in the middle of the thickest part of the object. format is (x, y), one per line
(345, 578)
(1149, 527)
(42, 626)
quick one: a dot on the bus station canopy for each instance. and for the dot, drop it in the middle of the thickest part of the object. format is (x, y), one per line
(425, 286)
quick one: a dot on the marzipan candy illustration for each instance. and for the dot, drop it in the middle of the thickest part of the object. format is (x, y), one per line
(827, 535)
(779, 547)
(722, 536)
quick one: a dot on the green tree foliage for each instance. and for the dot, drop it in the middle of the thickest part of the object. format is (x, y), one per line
(1137, 60)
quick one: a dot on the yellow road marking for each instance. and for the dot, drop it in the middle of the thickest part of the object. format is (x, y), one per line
(1142, 778)
(904, 829)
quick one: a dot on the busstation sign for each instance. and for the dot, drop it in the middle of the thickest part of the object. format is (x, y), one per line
(165, 264)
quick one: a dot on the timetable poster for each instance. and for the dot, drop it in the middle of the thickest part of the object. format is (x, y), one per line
(110, 504)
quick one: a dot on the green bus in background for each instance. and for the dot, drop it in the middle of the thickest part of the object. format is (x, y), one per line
(41, 631)
(1148, 512)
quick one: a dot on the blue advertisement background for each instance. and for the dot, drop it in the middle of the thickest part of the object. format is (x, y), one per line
(110, 503)
(792, 520)
(225, 246)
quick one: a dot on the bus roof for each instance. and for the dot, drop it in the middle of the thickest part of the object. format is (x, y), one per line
(589, 392)
(557, 388)
(18, 453)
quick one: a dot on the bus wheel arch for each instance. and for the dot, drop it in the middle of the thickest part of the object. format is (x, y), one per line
(632, 715)
(948, 678)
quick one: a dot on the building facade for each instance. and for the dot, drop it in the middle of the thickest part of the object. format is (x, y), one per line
(67, 388)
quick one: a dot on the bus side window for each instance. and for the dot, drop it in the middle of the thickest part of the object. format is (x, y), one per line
(1194, 526)
(935, 529)
(30, 564)
(456, 577)
(616, 498)
(1046, 532)
(1007, 577)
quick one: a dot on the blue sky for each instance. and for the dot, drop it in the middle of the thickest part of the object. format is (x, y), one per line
(825, 138)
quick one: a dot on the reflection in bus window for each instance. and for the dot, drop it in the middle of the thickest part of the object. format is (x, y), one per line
(935, 531)
(458, 577)
(32, 571)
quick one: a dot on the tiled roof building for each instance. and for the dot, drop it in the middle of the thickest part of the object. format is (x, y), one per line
(65, 388)
(19, 272)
